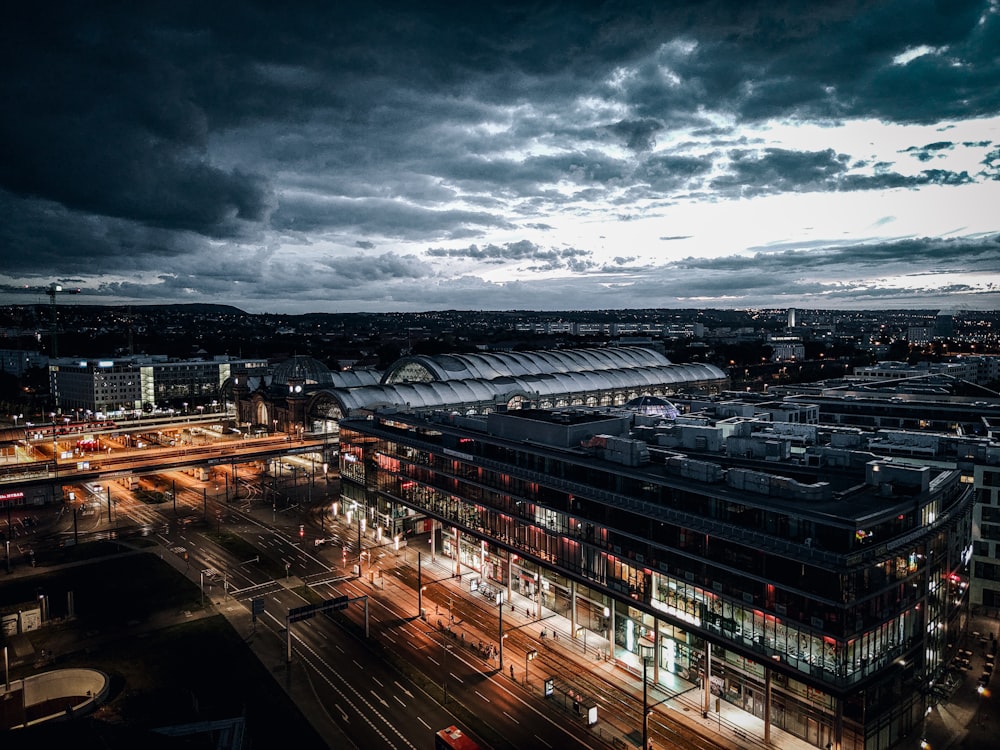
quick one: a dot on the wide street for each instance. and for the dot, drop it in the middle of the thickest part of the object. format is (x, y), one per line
(355, 686)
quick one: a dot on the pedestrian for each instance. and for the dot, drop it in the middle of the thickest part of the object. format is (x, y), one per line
(512, 671)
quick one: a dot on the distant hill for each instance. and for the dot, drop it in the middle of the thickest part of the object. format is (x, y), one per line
(198, 308)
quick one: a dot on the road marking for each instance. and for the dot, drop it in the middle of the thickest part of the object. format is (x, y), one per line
(423, 722)
(400, 701)
(431, 658)
(343, 713)
(482, 696)
(511, 717)
(376, 681)
(379, 698)
(542, 741)
(457, 677)
(408, 693)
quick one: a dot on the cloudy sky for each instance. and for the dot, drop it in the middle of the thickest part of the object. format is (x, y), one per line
(342, 157)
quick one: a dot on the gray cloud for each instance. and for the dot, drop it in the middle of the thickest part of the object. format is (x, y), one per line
(781, 170)
(543, 259)
(926, 153)
(639, 135)
(231, 148)
(963, 254)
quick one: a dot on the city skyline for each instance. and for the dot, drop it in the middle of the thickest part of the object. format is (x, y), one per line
(555, 156)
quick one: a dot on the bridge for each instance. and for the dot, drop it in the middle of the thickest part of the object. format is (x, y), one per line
(100, 467)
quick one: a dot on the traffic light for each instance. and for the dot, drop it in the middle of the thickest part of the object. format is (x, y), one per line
(302, 530)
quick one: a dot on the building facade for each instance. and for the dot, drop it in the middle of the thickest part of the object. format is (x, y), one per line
(820, 589)
(986, 538)
(112, 386)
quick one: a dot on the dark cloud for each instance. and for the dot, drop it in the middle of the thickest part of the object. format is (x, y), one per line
(926, 153)
(781, 170)
(971, 255)
(376, 269)
(891, 180)
(186, 146)
(390, 218)
(639, 135)
(665, 173)
(542, 259)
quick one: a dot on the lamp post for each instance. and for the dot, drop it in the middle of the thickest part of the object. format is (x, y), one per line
(444, 669)
(500, 610)
(645, 704)
(528, 656)
(72, 502)
(420, 591)
(607, 628)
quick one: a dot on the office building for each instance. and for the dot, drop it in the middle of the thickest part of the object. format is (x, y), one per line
(814, 584)
(112, 386)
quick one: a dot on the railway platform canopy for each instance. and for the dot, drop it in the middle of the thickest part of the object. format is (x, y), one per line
(483, 383)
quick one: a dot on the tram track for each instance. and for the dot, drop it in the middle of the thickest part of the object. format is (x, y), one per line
(465, 612)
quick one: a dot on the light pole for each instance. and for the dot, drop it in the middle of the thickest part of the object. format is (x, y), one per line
(72, 502)
(501, 633)
(645, 708)
(607, 628)
(444, 667)
(446, 648)
(528, 656)
(420, 591)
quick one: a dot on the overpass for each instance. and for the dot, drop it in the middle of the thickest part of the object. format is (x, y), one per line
(32, 478)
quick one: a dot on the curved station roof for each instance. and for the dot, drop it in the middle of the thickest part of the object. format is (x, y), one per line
(422, 369)
(476, 382)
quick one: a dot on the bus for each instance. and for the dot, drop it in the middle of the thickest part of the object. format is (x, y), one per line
(454, 738)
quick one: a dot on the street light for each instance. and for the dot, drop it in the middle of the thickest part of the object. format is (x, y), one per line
(528, 656)
(444, 669)
(607, 627)
(501, 634)
(645, 708)
(72, 502)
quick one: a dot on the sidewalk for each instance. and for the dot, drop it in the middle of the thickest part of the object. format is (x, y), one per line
(967, 718)
(730, 726)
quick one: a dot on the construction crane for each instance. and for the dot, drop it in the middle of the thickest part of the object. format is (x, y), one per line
(52, 290)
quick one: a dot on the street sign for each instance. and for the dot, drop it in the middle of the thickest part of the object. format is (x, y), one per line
(257, 607)
(302, 613)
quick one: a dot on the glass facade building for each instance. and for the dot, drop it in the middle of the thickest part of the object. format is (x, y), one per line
(820, 591)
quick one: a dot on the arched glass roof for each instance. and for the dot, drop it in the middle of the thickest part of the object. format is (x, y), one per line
(300, 367)
(472, 392)
(487, 366)
(354, 378)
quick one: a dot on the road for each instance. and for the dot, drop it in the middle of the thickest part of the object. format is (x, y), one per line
(411, 676)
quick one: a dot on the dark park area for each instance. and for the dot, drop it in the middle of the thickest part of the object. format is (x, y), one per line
(172, 662)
